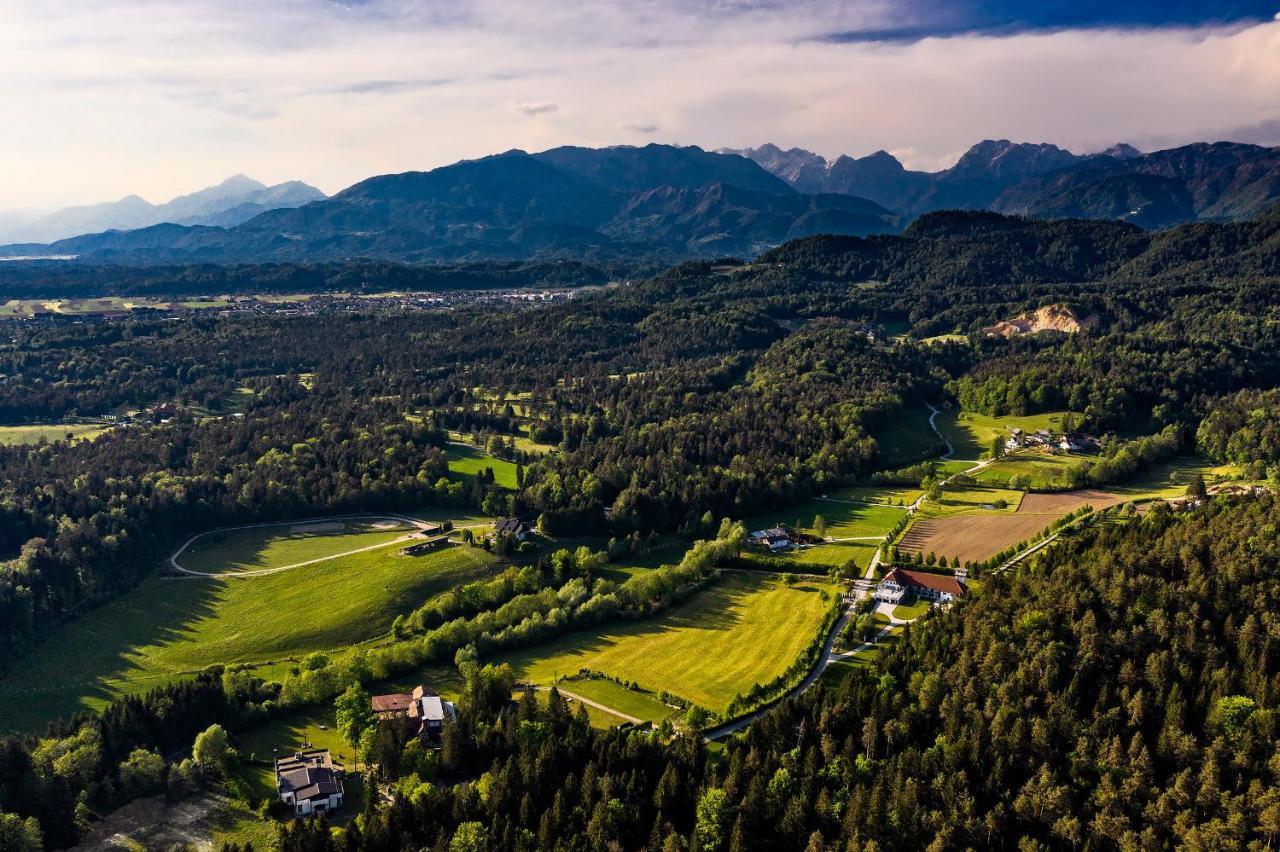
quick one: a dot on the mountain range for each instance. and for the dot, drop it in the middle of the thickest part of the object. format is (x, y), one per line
(661, 202)
(1202, 181)
(237, 199)
(656, 201)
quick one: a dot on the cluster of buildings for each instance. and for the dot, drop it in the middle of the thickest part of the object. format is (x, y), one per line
(310, 781)
(1067, 442)
(778, 539)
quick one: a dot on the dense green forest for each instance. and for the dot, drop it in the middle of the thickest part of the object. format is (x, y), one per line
(1121, 693)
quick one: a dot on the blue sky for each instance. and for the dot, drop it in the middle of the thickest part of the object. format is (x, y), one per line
(160, 97)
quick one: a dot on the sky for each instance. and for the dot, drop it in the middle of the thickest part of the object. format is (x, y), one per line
(104, 98)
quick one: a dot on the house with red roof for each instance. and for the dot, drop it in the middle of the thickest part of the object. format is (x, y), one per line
(903, 582)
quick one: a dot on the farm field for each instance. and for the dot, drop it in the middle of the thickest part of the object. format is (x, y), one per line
(970, 433)
(167, 628)
(705, 650)
(267, 547)
(642, 705)
(972, 538)
(50, 432)
(909, 439)
(467, 461)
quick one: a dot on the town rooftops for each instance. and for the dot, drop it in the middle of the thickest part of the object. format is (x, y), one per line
(944, 583)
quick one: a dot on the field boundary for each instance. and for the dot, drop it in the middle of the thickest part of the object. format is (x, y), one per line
(173, 559)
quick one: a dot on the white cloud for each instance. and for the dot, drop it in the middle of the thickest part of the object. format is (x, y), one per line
(647, 128)
(161, 97)
(535, 107)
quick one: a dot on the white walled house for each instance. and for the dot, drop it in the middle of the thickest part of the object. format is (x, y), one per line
(309, 781)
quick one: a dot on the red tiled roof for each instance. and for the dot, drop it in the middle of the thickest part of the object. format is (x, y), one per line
(924, 580)
(395, 703)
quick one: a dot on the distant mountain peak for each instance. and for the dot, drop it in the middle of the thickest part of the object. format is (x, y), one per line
(1121, 151)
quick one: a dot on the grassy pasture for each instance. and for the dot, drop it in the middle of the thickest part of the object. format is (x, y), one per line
(970, 499)
(1041, 470)
(166, 629)
(889, 494)
(467, 461)
(744, 629)
(633, 702)
(49, 432)
(257, 548)
(970, 433)
(844, 519)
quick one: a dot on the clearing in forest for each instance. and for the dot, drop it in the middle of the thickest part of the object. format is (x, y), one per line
(278, 546)
(970, 433)
(743, 630)
(49, 432)
(466, 461)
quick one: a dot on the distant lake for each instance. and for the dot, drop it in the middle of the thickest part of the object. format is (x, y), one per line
(39, 257)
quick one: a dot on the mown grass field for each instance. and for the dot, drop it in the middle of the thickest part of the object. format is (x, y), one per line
(259, 548)
(170, 628)
(744, 629)
(466, 462)
(970, 433)
(49, 432)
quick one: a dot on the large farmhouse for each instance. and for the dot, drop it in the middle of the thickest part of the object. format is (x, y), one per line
(901, 582)
(423, 710)
(513, 527)
(773, 539)
(309, 781)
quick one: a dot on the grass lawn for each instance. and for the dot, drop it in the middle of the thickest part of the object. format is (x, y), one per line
(50, 432)
(286, 544)
(908, 439)
(910, 611)
(169, 628)
(844, 520)
(970, 434)
(1170, 478)
(633, 702)
(742, 630)
(466, 462)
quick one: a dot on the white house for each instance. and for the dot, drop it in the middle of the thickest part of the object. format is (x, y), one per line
(309, 781)
(901, 582)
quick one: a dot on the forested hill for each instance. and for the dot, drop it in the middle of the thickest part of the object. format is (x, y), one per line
(969, 248)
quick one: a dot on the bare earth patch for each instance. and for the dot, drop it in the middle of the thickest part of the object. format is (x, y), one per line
(155, 824)
(1068, 501)
(1048, 318)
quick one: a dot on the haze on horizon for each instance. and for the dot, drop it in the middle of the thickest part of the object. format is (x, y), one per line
(159, 97)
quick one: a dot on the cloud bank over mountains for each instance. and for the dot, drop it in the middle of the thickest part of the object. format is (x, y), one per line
(154, 96)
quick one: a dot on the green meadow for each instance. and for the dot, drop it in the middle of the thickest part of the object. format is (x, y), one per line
(168, 628)
(467, 461)
(744, 629)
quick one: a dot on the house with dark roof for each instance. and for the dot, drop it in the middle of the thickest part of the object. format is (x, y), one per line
(513, 527)
(902, 582)
(309, 781)
(423, 710)
(772, 539)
